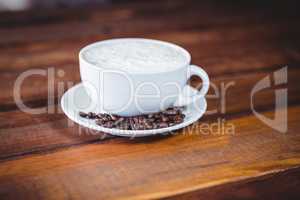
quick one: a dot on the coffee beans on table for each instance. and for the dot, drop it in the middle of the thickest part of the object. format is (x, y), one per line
(164, 119)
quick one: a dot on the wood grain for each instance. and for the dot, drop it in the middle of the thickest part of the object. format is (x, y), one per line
(36, 87)
(48, 157)
(282, 185)
(163, 166)
(55, 131)
(256, 46)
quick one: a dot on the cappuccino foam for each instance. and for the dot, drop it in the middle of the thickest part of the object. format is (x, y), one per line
(135, 55)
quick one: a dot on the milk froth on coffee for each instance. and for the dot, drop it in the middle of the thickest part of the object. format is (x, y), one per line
(135, 55)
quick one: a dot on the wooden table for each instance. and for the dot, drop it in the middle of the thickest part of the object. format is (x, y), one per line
(45, 156)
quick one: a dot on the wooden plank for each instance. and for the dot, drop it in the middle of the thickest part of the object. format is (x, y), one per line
(42, 156)
(34, 90)
(141, 8)
(240, 56)
(253, 40)
(157, 167)
(106, 12)
(130, 20)
(256, 46)
(22, 133)
(282, 185)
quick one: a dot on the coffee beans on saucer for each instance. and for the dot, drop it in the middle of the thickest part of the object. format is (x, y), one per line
(164, 119)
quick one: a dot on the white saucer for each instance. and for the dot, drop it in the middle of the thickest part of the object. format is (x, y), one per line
(76, 99)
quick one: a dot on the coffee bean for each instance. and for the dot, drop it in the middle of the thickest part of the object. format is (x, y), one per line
(104, 117)
(148, 125)
(124, 124)
(141, 119)
(91, 115)
(99, 116)
(141, 127)
(136, 120)
(179, 109)
(163, 125)
(151, 120)
(108, 124)
(118, 121)
(131, 123)
(99, 122)
(164, 119)
(157, 116)
(170, 112)
(113, 117)
(178, 119)
(155, 125)
(150, 115)
(83, 114)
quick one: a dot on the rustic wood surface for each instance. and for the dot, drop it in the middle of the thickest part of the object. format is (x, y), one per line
(46, 156)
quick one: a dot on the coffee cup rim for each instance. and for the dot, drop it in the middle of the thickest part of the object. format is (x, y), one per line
(184, 51)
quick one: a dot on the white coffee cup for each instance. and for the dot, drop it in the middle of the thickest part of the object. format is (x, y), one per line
(130, 93)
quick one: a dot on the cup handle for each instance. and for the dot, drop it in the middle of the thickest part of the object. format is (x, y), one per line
(189, 96)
